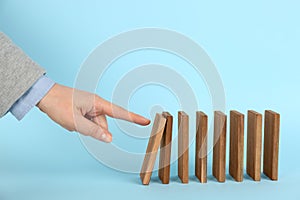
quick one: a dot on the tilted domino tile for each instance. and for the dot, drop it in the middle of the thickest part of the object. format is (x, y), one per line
(165, 150)
(152, 148)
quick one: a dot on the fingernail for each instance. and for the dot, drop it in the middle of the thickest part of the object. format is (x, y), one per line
(105, 138)
(147, 121)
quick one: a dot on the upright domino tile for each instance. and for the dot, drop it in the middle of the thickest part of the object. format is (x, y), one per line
(201, 147)
(254, 145)
(236, 151)
(219, 150)
(152, 148)
(165, 150)
(183, 147)
(271, 144)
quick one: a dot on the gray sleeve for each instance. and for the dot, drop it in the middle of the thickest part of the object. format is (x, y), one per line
(17, 73)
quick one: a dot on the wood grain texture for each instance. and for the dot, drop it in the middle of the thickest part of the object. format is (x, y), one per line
(152, 148)
(254, 145)
(165, 150)
(201, 147)
(236, 151)
(219, 150)
(271, 144)
(183, 147)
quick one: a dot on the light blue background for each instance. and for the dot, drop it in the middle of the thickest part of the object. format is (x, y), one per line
(254, 44)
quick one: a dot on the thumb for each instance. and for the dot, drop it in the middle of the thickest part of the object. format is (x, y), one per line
(89, 128)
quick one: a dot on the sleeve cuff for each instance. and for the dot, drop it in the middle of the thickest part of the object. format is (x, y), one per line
(24, 104)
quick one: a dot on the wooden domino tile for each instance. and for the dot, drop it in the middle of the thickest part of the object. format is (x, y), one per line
(219, 150)
(236, 151)
(161, 136)
(152, 148)
(165, 150)
(201, 147)
(271, 144)
(254, 145)
(183, 147)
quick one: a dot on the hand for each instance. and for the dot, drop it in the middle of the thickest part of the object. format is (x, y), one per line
(84, 112)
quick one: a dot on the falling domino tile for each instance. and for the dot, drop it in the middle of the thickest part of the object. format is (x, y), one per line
(271, 144)
(219, 150)
(254, 145)
(152, 148)
(183, 147)
(165, 150)
(236, 152)
(201, 147)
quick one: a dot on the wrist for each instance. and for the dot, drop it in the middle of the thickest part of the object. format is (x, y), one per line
(48, 98)
(31, 97)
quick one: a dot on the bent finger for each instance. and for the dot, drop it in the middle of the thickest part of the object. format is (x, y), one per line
(101, 121)
(89, 128)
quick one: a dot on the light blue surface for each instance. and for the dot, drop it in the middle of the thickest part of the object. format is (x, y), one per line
(255, 46)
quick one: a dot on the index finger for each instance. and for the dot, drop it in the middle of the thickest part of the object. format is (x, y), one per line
(118, 112)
